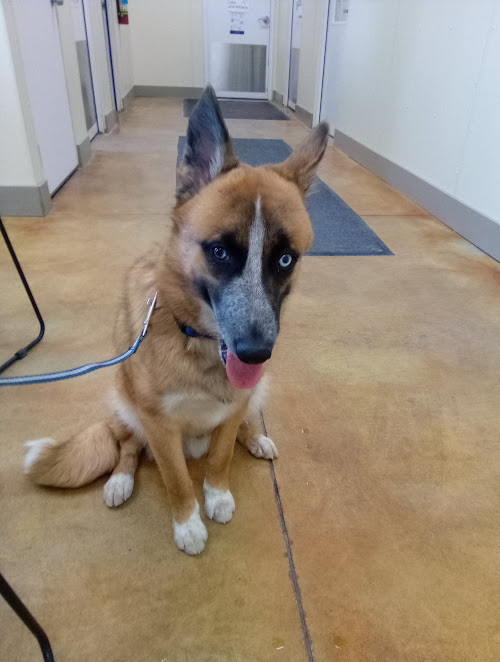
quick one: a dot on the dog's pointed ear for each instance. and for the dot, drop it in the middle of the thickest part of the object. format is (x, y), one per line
(208, 151)
(300, 166)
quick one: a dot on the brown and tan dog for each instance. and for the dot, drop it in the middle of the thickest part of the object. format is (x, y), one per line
(196, 383)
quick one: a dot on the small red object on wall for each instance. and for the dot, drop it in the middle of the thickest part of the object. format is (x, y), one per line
(121, 6)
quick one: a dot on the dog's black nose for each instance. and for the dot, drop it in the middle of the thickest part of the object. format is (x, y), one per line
(253, 353)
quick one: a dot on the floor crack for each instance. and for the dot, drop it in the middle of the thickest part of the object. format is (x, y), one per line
(292, 571)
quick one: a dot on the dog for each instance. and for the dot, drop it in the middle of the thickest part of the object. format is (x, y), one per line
(196, 385)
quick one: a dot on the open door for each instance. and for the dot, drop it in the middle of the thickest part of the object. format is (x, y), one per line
(237, 47)
(82, 50)
(94, 16)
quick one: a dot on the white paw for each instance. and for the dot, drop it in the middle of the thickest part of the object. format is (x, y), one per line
(219, 505)
(35, 449)
(191, 536)
(263, 447)
(118, 489)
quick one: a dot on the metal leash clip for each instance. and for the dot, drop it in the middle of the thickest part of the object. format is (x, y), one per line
(152, 304)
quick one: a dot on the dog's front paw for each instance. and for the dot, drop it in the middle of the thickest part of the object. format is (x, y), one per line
(118, 489)
(263, 447)
(190, 537)
(219, 504)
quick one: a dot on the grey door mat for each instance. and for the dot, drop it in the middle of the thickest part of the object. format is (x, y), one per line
(241, 109)
(338, 230)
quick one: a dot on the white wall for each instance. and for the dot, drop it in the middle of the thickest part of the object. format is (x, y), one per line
(479, 175)
(126, 79)
(421, 87)
(20, 164)
(167, 42)
(334, 69)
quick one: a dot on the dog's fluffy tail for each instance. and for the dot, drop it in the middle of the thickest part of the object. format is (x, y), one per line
(78, 460)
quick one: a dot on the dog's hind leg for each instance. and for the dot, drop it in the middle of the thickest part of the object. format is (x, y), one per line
(120, 485)
(251, 438)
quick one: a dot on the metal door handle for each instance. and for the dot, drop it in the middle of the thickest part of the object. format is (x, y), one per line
(57, 2)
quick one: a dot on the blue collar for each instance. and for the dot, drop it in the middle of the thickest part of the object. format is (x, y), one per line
(193, 333)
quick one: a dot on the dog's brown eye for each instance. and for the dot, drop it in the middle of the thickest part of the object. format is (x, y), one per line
(219, 252)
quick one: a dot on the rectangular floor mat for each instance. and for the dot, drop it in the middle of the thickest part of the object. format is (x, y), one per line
(242, 109)
(338, 230)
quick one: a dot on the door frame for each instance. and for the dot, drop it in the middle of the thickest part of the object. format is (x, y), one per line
(290, 28)
(94, 66)
(112, 34)
(288, 102)
(79, 34)
(268, 92)
(270, 52)
(320, 67)
(318, 95)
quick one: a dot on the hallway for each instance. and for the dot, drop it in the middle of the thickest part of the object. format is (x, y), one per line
(384, 408)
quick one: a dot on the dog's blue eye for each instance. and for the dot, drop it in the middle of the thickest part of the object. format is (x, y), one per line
(285, 261)
(219, 252)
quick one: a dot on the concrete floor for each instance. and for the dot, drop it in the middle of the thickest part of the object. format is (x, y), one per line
(385, 408)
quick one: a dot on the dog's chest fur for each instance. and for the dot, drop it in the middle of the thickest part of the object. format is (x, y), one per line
(200, 412)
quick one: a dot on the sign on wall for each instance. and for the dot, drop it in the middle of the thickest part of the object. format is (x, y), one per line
(237, 5)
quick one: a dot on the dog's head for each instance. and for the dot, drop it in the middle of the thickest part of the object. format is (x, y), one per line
(241, 231)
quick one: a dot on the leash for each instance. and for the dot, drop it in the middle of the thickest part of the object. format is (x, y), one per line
(84, 369)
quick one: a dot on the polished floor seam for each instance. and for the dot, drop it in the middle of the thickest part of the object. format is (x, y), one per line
(292, 572)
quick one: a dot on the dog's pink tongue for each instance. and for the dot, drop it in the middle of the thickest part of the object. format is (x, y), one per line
(242, 375)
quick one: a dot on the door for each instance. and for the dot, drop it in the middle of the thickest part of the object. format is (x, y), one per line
(82, 50)
(38, 34)
(237, 44)
(97, 38)
(293, 76)
(335, 42)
